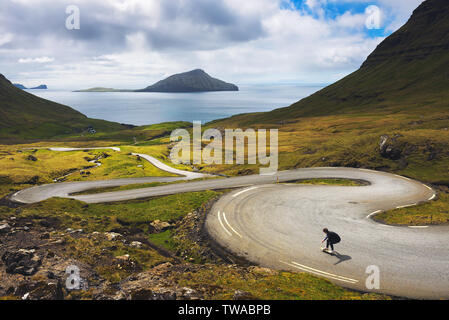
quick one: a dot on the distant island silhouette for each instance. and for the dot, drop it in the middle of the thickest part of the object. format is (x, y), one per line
(193, 81)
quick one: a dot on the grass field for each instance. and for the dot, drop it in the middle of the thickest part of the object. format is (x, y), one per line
(431, 213)
(22, 166)
(353, 141)
(105, 217)
(269, 285)
(332, 182)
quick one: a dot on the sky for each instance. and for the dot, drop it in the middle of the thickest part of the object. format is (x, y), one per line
(134, 43)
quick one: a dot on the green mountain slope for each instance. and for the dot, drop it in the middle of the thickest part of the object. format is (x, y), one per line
(25, 116)
(192, 81)
(392, 114)
(408, 72)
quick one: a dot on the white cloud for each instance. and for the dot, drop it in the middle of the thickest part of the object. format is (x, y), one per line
(132, 43)
(36, 60)
(5, 38)
(350, 21)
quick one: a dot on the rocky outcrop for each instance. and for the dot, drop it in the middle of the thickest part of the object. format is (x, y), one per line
(22, 261)
(31, 158)
(4, 228)
(160, 226)
(192, 81)
(113, 236)
(243, 295)
(389, 147)
(150, 285)
(41, 290)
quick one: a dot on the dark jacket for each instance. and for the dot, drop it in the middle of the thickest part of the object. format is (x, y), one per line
(333, 237)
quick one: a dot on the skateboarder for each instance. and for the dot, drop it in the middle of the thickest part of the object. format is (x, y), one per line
(331, 238)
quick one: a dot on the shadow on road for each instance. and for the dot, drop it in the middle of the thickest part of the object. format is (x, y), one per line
(341, 258)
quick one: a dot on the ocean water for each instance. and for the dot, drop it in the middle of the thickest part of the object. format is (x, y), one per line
(149, 108)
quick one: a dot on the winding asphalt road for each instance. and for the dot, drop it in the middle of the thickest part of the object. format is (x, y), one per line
(279, 225)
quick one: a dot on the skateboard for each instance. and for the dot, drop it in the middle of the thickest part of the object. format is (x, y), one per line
(326, 251)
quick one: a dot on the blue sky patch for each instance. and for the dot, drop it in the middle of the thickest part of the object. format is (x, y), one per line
(333, 10)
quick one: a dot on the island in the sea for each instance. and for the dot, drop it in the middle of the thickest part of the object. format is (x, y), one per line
(41, 87)
(21, 86)
(193, 81)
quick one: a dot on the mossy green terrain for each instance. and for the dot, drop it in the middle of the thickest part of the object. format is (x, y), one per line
(354, 141)
(164, 239)
(336, 182)
(138, 136)
(116, 165)
(22, 166)
(98, 251)
(268, 285)
(105, 217)
(431, 213)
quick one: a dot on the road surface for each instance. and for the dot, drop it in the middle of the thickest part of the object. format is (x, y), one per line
(279, 225)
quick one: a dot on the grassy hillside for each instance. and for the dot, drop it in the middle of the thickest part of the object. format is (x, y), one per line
(25, 116)
(407, 73)
(401, 91)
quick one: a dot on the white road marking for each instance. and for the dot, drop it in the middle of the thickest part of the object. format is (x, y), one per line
(402, 177)
(372, 214)
(239, 193)
(319, 272)
(432, 197)
(428, 187)
(330, 274)
(418, 227)
(407, 206)
(221, 222)
(226, 221)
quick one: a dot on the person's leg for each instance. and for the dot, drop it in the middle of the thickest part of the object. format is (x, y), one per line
(327, 244)
(332, 246)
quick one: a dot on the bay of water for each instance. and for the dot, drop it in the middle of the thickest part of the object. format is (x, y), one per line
(142, 108)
